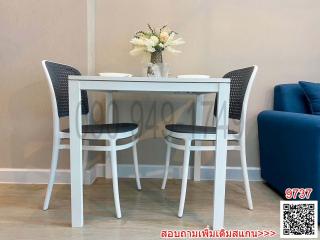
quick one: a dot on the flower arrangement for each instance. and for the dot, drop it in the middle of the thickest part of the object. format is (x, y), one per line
(154, 42)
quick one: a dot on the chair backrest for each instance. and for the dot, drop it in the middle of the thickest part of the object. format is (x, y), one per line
(240, 87)
(57, 76)
(290, 98)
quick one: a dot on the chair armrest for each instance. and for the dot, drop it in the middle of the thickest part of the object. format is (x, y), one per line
(285, 120)
(290, 150)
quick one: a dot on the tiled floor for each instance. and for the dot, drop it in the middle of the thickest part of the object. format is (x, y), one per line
(144, 212)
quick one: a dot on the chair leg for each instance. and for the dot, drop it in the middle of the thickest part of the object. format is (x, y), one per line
(184, 177)
(245, 173)
(115, 178)
(136, 166)
(54, 164)
(86, 153)
(166, 170)
(85, 156)
(106, 165)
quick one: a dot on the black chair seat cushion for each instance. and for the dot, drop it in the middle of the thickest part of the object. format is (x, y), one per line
(107, 128)
(181, 128)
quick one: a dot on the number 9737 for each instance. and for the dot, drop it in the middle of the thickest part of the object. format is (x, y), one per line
(298, 193)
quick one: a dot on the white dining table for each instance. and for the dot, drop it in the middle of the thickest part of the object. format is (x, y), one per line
(196, 86)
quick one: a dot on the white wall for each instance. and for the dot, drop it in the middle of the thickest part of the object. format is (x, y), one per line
(281, 37)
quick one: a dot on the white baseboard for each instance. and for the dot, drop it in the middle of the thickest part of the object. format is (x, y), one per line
(41, 176)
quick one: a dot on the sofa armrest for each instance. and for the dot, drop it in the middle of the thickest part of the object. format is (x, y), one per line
(290, 150)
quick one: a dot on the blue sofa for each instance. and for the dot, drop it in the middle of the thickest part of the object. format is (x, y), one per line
(289, 139)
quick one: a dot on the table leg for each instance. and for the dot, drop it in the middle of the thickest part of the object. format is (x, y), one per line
(108, 119)
(197, 154)
(75, 123)
(221, 155)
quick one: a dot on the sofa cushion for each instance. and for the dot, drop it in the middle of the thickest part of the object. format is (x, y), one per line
(312, 92)
(290, 98)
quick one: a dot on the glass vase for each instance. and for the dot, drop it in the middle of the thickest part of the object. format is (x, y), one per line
(156, 66)
(156, 57)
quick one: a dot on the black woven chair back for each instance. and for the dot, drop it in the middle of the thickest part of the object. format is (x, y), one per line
(59, 77)
(238, 87)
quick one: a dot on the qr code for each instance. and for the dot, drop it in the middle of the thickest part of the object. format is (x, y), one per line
(299, 219)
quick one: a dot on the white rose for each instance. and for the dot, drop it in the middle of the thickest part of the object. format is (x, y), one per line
(155, 40)
(137, 41)
(164, 36)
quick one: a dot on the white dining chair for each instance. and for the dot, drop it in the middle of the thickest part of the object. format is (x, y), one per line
(241, 84)
(57, 78)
